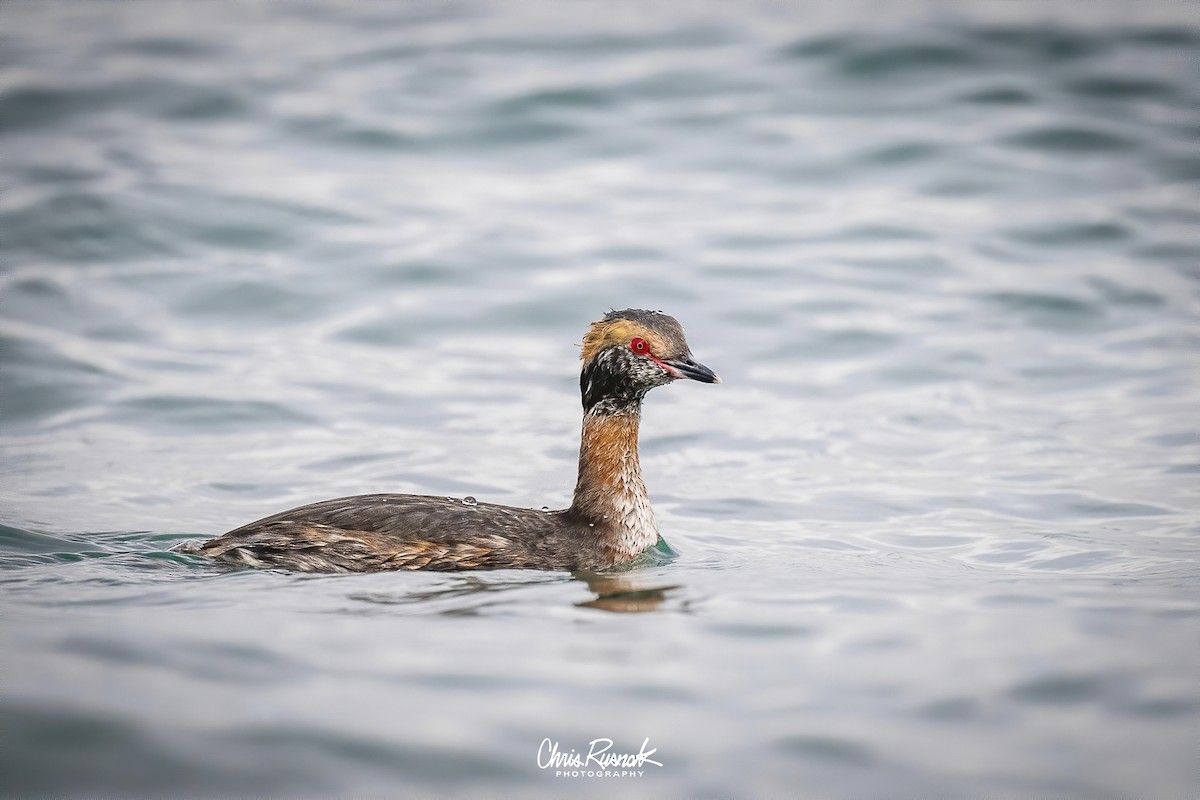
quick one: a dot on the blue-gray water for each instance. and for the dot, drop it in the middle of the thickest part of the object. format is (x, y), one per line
(938, 530)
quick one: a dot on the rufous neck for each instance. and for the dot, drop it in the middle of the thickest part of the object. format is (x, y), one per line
(610, 493)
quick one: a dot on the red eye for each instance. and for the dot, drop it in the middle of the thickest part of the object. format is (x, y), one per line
(639, 346)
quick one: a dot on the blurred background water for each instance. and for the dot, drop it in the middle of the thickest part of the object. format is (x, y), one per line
(937, 532)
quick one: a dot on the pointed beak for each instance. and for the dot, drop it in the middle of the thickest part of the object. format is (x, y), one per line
(687, 367)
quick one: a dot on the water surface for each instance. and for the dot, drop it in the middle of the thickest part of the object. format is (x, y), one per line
(937, 532)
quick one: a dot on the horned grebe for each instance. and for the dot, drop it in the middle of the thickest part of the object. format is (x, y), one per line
(610, 521)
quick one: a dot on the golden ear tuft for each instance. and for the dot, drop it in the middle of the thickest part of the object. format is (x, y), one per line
(591, 341)
(602, 334)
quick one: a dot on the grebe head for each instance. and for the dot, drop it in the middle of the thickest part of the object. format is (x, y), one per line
(628, 353)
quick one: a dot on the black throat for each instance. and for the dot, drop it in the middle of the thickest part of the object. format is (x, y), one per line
(606, 388)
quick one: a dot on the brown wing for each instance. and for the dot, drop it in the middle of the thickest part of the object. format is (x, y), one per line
(393, 531)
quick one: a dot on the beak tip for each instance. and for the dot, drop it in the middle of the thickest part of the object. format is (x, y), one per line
(688, 368)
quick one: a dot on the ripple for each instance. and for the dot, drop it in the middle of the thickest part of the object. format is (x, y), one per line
(515, 133)
(1047, 310)
(1119, 87)
(1056, 505)
(1190, 438)
(840, 344)
(218, 662)
(98, 746)
(171, 48)
(124, 754)
(573, 97)
(1000, 96)
(39, 107)
(904, 153)
(1180, 37)
(733, 508)
(35, 297)
(951, 709)
(205, 105)
(818, 47)
(893, 62)
(401, 762)
(1066, 234)
(826, 748)
(1045, 43)
(81, 227)
(1059, 690)
(38, 380)
(1166, 707)
(217, 415)
(930, 541)
(380, 333)
(743, 630)
(339, 132)
(16, 543)
(1076, 561)
(251, 303)
(1184, 256)
(1066, 141)
(1122, 294)
(1015, 600)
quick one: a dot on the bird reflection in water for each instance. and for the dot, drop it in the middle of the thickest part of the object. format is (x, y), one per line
(472, 595)
(626, 593)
